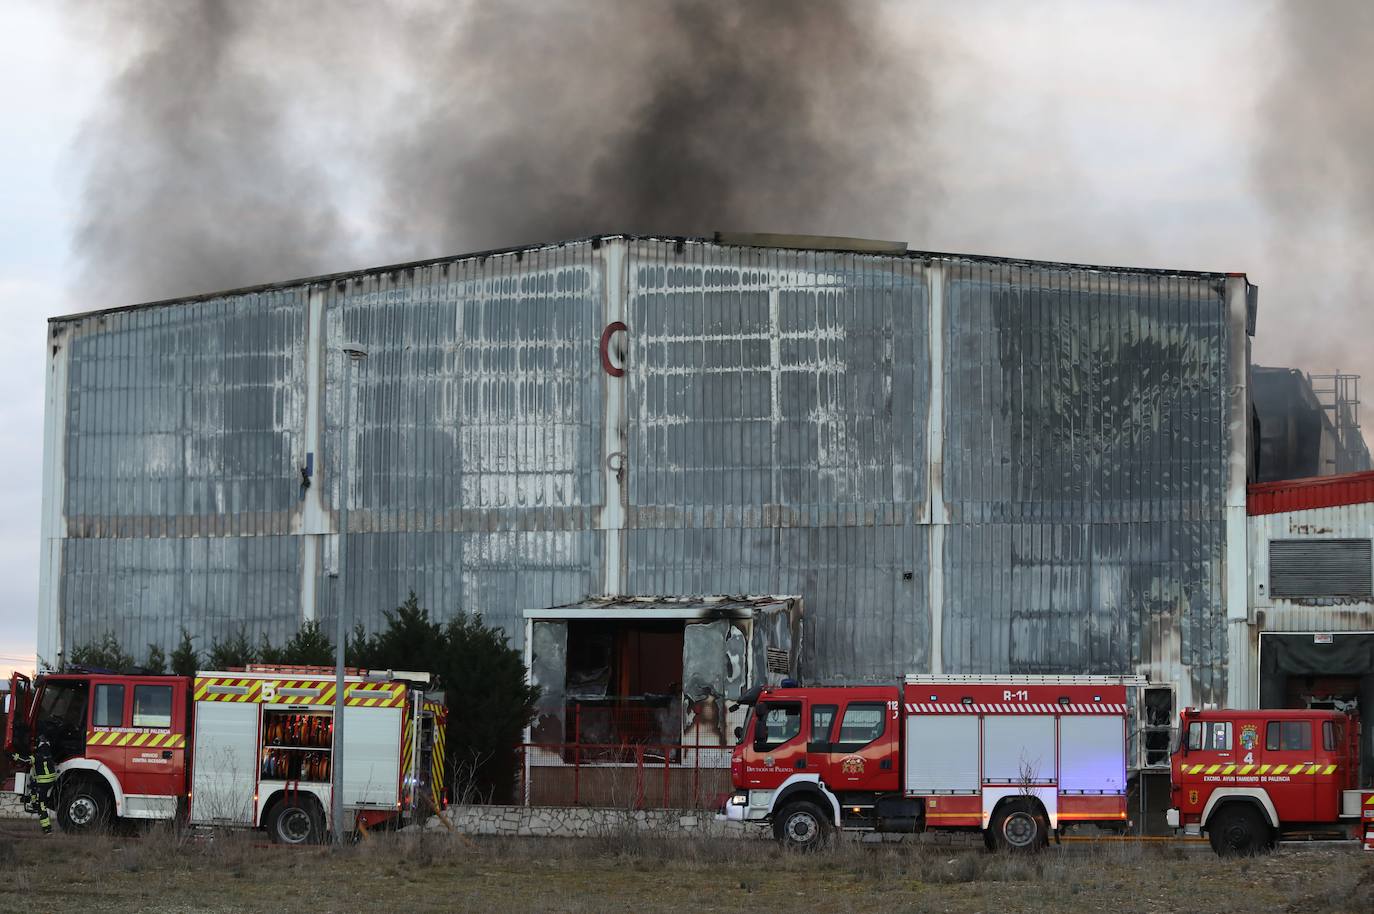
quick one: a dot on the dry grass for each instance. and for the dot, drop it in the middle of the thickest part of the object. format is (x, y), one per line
(436, 871)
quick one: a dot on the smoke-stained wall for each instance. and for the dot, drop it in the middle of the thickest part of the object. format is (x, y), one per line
(960, 464)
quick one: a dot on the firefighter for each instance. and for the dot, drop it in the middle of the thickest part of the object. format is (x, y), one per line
(43, 778)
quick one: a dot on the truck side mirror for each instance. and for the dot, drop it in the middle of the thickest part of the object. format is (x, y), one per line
(739, 733)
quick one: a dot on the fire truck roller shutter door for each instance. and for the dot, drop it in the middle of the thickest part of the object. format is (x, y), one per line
(1018, 749)
(941, 753)
(225, 762)
(372, 756)
(1092, 754)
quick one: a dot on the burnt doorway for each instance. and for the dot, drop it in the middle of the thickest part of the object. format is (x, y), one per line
(624, 682)
(1330, 671)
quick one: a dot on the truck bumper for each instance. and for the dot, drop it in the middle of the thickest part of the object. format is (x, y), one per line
(1171, 816)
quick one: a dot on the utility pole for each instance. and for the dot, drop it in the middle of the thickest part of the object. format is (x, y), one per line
(352, 356)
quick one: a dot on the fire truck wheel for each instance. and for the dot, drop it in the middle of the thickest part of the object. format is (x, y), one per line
(83, 805)
(295, 822)
(801, 826)
(1019, 826)
(1238, 830)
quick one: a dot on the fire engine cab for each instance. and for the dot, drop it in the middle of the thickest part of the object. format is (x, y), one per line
(1016, 758)
(251, 748)
(1246, 778)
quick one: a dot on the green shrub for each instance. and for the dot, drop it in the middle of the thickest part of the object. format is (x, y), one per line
(105, 654)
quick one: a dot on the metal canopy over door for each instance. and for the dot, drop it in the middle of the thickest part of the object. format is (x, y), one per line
(225, 762)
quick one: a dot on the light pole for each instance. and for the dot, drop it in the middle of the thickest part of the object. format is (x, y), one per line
(352, 355)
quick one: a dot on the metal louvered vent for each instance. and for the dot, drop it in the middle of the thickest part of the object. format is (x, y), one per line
(779, 660)
(1321, 569)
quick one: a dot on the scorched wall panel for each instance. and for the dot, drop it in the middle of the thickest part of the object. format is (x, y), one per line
(961, 464)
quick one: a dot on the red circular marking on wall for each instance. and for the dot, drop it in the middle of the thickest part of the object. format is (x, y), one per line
(611, 368)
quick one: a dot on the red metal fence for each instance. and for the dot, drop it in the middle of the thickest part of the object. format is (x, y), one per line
(625, 775)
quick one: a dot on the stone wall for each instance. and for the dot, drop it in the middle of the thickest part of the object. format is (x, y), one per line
(10, 807)
(584, 822)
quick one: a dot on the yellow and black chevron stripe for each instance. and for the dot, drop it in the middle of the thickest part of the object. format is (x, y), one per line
(215, 688)
(1299, 768)
(436, 763)
(374, 695)
(133, 739)
(407, 738)
(316, 691)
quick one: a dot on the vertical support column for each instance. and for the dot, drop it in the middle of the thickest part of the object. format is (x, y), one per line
(1241, 685)
(614, 468)
(935, 514)
(53, 523)
(313, 518)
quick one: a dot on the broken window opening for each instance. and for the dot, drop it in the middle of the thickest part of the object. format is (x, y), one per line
(624, 685)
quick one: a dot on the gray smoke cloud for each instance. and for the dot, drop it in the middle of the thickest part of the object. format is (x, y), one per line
(192, 180)
(1314, 171)
(219, 157)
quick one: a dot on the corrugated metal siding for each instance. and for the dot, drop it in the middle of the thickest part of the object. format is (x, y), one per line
(1345, 614)
(777, 411)
(186, 420)
(1084, 473)
(495, 575)
(777, 378)
(1307, 494)
(144, 591)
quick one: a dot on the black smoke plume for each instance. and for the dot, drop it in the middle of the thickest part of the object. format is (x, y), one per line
(681, 118)
(247, 142)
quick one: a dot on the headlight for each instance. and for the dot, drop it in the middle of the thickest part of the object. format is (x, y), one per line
(740, 799)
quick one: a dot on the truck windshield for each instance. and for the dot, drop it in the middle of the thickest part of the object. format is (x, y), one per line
(61, 716)
(782, 722)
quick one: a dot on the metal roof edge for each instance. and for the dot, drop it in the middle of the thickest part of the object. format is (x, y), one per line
(868, 247)
(1309, 493)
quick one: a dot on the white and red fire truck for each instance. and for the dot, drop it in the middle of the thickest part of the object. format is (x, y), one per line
(1247, 778)
(250, 748)
(1016, 758)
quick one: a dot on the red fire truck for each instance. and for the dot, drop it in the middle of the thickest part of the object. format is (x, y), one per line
(250, 748)
(1247, 778)
(1017, 758)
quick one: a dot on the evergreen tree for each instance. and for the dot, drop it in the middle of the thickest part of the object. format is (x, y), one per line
(185, 659)
(157, 659)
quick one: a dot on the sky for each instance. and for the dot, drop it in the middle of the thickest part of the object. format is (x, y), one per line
(1174, 135)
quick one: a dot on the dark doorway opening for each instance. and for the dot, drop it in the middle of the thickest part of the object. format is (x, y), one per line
(1300, 671)
(624, 683)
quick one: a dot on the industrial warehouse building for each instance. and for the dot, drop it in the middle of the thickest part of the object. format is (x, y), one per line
(950, 463)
